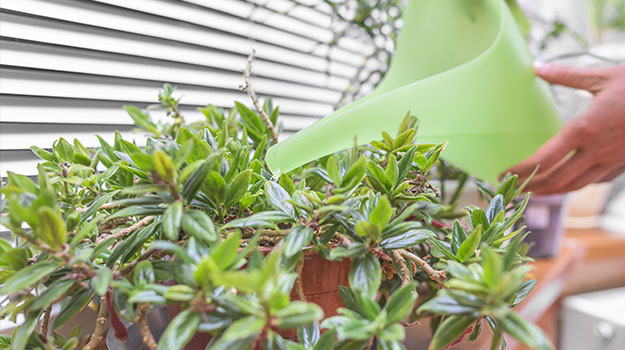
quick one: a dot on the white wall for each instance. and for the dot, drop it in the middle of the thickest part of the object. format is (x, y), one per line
(67, 66)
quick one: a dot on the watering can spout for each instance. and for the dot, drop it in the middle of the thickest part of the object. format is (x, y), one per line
(464, 69)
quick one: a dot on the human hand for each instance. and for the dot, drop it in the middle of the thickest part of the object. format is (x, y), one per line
(589, 148)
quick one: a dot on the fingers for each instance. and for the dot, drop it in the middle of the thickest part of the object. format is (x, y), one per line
(589, 79)
(548, 154)
(562, 175)
(612, 174)
(588, 176)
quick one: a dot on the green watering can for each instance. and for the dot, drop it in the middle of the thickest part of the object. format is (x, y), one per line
(464, 69)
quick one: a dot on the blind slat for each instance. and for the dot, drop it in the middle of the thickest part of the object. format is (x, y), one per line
(100, 40)
(67, 67)
(32, 56)
(30, 83)
(79, 12)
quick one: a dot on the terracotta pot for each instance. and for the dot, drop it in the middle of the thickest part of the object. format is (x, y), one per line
(320, 284)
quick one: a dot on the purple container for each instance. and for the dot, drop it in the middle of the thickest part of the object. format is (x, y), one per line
(544, 218)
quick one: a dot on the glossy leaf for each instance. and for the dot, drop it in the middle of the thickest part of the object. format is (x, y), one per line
(468, 247)
(298, 314)
(52, 293)
(180, 330)
(101, 281)
(279, 198)
(365, 274)
(72, 307)
(197, 224)
(172, 219)
(451, 329)
(26, 277)
(400, 304)
(298, 238)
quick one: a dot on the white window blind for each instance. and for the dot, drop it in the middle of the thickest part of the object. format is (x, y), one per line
(67, 66)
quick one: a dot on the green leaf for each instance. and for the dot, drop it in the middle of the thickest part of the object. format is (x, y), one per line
(432, 157)
(174, 248)
(353, 250)
(308, 335)
(445, 304)
(516, 215)
(468, 247)
(197, 224)
(65, 150)
(326, 340)
(451, 329)
(141, 119)
(493, 266)
(382, 213)
(354, 175)
(495, 207)
(215, 186)
(238, 188)
(96, 204)
(27, 277)
(52, 293)
(5, 341)
(377, 173)
(406, 240)
(143, 273)
(297, 314)
(332, 167)
(226, 251)
(279, 198)
(443, 248)
(146, 296)
(23, 332)
(459, 235)
(180, 292)
(524, 291)
(262, 219)
(240, 334)
(405, 164)
(52, 227)
(392, 171)
(72, 307)
(193, 184)
(22, 182)
(286, 183)
(102, 280)
(367, 229)
(524, 331)
(171, 221)
(400, 304)
(298, 238)
(136, 211)
(365, 274)
(43, 154)
(164, 165)
(180, 330)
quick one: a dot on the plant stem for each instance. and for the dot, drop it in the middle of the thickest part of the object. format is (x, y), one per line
(45, 322)
(435, 275)
(403, 268)
(128, 230)
(128, 268)
(298, 281)
(100, 327)
(248, 87)
(148, 338)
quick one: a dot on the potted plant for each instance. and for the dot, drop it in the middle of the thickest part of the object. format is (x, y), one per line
(194, 220)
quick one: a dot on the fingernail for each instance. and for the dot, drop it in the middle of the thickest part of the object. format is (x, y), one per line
(541, 67)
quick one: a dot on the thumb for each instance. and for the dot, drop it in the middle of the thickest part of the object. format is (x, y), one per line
(590, 79)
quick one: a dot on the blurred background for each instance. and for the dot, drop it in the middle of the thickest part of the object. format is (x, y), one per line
(68, 66)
